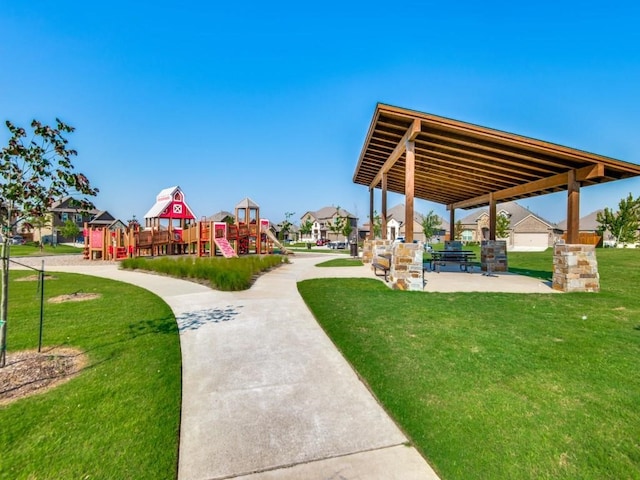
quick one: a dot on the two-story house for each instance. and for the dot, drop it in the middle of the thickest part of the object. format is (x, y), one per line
(324, 223)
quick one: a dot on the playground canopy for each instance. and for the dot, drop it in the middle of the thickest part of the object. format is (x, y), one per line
(465, 166)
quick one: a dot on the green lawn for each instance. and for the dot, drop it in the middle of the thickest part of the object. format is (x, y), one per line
(502, 386)
(31, 249)
(120, 417)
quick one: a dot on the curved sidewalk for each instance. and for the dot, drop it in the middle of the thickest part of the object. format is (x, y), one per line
(266, 395)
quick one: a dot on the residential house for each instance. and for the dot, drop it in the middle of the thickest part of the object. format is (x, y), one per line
(589, 232)
(396, 226)
(61, 212)
(322, 222)
(527, 231)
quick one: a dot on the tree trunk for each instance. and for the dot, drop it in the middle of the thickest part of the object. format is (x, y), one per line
(4, 301)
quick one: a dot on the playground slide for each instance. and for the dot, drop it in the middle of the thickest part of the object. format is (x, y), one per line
(275, 241)
(225, 247)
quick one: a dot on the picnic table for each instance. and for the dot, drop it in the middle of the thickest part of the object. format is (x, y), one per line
(463, 258)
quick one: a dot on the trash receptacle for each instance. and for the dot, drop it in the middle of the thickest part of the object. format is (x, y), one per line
(354, 249)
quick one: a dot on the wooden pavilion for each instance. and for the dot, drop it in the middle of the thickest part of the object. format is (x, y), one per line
(464, 166)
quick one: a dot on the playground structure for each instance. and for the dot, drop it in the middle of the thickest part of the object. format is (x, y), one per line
(171, 230)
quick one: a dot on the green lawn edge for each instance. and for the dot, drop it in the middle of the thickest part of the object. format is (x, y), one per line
(119, 418)
(494, 385)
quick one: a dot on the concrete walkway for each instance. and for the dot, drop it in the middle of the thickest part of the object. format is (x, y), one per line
(266, 395)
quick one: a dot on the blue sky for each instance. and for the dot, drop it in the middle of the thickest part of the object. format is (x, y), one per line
(272, 100)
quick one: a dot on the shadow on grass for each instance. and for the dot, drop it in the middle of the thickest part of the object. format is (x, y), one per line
(541, 274)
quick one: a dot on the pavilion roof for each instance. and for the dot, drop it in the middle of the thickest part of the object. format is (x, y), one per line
(459, 164)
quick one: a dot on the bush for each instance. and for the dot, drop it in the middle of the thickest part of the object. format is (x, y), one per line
(228, 274)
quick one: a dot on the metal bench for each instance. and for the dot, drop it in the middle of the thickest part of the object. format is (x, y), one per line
(382, 262)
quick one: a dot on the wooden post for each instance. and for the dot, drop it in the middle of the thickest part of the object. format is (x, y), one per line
(371, 214)
(492, 217)
(452, 223)
(383, 215)
(409, 190)
(573, 209)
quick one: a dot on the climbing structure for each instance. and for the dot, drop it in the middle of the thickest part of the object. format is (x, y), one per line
(165, 223)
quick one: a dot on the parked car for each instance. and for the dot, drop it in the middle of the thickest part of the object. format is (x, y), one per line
(337, 245)
(17, 240)
(321, 242)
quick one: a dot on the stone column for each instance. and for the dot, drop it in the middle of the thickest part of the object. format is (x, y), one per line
(575, 268)
(372, 248)
(494, 253)
(406, 267)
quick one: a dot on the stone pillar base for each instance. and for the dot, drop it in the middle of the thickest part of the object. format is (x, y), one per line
(493, 254)
(406, 267)
(575, 268)
(373, 248)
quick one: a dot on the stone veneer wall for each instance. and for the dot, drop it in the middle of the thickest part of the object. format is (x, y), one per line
(406, 262)
(372, 248)
(575, 268)
(494, 252)
(406, 267)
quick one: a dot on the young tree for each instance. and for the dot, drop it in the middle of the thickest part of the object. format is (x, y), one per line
(457, 231)
(306, 227)
(347, 228)
(377, 225)
(43, 221)
(70, 230)
(502, 226)
(285, 227)
(337, 224)
(34, 172)
(430, 223)
(622, 224)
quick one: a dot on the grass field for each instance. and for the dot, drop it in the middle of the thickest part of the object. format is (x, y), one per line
(502, 386)
(120, 417)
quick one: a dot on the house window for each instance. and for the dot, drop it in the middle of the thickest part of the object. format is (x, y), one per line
(467, 235)
(64, 217)
(78, 218)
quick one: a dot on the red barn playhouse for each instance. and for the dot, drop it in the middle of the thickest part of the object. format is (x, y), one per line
(170, 229)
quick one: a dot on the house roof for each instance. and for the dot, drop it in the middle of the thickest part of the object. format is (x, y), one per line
(221, 216)
(66, 205)
(460, 164)
(102, 218)
(517, 213)
(588, 223)
(328, 212)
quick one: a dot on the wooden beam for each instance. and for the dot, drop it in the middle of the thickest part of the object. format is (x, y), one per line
(409, 136)
(383, 215)
(573, 208)
(409, 190)
(560, 180)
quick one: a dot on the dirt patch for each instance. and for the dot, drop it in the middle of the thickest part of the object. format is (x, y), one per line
(74, 297)
(34, 278)
(28, 372)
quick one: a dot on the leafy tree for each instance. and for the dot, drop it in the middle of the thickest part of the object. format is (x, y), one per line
(377, 225)
(430, 223)
(306, 227)
(622, 224)
(337, 224)
(347, 228)
(34, 173)
(457, 231)
(502, 226)
(43, 221)
(70, 229)
(285, 227)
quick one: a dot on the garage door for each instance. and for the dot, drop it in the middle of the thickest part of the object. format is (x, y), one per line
(534, 241)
